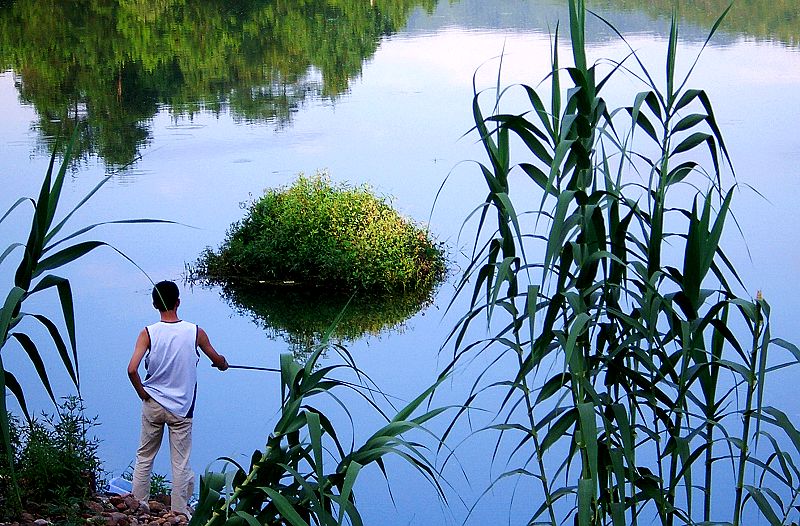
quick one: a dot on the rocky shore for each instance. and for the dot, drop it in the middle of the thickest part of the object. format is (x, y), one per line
(108, 510)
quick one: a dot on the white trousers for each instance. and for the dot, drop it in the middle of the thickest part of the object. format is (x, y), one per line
(180, 446)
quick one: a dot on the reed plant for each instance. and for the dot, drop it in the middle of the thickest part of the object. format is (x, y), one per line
(48, 249)
(306, 474)
(638, 368)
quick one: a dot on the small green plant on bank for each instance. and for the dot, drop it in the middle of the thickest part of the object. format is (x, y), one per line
(55, 460)
(638, 371)
(160, 486)
(327, 235)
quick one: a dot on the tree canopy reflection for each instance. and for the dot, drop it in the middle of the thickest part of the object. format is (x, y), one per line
(302, 315)
(771, 20)
(110, 65)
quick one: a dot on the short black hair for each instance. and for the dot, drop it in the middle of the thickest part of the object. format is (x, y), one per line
(165, 295)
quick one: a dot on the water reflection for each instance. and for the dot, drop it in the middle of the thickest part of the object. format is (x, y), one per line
(301, 315)
(109, 66)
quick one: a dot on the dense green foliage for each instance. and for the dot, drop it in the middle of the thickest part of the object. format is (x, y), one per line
(56, 460)
(326, 235)
(638, 369)
(112, 64)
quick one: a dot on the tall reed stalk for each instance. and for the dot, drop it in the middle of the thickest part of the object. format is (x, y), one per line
(627, 318)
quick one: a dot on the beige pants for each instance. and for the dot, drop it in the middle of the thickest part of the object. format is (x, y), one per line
(180, 446)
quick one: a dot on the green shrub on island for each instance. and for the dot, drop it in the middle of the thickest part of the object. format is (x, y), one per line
(331, 235)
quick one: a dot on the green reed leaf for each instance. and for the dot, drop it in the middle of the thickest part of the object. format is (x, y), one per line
(577, 21)
(36, 359)
(58, 183)
(10, 382)
(10, 304)
(538, 106)
(553, 385)
(15, 205)
(5, 437)
(66, 256)
(680, 172)
(641, 120)
(68, 312)
(687, 97)
(781, 420)
(559, 428)
(688, 122)
(9, 250)
(251, 521)
(38, 229)
(690, 142)
(538, 177)
(353, 468)
(285, 508)
(315, 436)
(792, 348)
(588, 428)
(672, 52)
(56, 229)
(535, 140)
(585, 500)
(763, 505)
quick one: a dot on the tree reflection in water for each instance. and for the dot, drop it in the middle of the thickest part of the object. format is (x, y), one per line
(109, 66)
(302, 315)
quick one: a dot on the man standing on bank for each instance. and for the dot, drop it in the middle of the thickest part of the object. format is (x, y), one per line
(168, 392)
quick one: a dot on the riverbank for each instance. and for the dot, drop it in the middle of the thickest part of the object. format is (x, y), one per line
(104, 510)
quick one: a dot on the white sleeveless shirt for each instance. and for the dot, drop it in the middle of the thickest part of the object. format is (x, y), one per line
(171, 365)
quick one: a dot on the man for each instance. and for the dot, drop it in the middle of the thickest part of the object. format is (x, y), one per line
(168, 393)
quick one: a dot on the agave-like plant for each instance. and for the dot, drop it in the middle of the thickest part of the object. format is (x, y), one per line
(47, 249)
(623, 334)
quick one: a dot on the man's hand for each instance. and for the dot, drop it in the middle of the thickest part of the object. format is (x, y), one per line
(221, 366)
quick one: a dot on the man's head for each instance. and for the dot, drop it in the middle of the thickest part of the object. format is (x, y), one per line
(166, 296)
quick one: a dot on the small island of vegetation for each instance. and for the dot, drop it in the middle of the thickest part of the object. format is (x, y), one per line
(329, 235)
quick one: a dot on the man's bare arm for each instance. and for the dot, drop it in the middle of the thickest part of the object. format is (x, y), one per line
(139, 350)
(217, 360)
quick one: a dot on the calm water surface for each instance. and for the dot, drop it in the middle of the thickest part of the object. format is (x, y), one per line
(220, 123)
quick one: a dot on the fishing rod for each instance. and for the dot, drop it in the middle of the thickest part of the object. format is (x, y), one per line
(254, 368)
(343, 382)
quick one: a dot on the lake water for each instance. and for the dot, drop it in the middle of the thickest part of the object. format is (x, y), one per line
(248, 102)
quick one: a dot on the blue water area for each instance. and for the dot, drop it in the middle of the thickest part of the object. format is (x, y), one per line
(396, 122)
